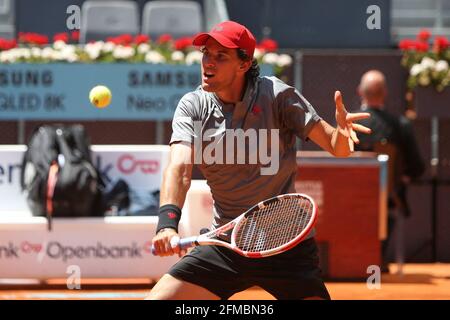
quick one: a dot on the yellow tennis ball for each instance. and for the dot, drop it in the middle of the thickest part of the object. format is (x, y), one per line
(100, 96)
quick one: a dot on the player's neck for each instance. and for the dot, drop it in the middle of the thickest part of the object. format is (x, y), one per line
(233, 93)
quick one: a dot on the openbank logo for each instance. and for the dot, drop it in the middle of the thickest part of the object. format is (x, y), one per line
(59, 251)
(9, 173)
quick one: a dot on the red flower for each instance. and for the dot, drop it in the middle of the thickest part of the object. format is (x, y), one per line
(63, 36)
(33, 38)
(124, 39)
(141, 38)
(183, 43)
(424, 35)
(75, 35)
(407, 44)
(268, 45)
(114, 40)
(422, 46)
(440, 43)
(164, 38)
(7, 44)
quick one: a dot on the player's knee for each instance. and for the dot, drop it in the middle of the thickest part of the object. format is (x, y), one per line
(165, 289)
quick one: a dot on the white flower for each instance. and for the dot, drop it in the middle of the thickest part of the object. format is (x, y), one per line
(68, 49)
(59, 44)
(428, 63)
(93, 50)
(441, 66)
(424, 80)
(270, 58)
(6, 57)
(123, 52)
(194, 57)
(36, 52)
(93, 53)
(177, 56)
(284, 60)
(143, 48)
(154, 57)
(108, 47)
(416, 70)
(56, 56)
(71, 58)
(21, 53)
(99, 44)
(47, 53)
(257, 54)
(69, 54)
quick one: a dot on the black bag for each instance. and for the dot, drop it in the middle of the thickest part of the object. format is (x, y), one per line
(58, 176)
(117, 198)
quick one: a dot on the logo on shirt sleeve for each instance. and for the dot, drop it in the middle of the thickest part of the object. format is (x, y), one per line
(256, 109)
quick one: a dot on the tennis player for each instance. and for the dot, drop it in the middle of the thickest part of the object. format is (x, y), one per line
(233, 96)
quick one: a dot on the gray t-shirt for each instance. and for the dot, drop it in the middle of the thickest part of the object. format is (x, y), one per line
(237, 183)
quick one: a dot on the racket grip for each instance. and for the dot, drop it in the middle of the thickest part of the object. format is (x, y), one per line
(186, 243)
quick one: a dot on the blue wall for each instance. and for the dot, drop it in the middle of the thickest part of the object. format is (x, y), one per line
(48, 16)
(314, 23)
(293, 23)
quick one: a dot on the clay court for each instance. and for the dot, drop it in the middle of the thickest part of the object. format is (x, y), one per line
(418, 282)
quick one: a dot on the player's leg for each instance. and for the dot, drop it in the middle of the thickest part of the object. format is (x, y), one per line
(207, 272)
(295, 274)
(298, 289)
(171, 288)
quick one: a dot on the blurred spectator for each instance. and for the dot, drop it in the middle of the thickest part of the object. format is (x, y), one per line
(395, 137)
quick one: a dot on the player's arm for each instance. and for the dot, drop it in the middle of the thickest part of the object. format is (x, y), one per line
(175, 185)
(339, 141)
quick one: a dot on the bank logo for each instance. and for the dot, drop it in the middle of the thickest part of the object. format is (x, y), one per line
(128, 164)
(60, 251)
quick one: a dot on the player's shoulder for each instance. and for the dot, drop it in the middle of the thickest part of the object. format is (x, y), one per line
(194, 99)
(192, 96)
(274, 86)
(197, 96)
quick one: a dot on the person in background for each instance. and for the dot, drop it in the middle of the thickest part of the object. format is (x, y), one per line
(392, 135)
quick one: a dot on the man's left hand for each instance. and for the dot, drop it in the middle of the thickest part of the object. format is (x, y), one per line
(345, 121)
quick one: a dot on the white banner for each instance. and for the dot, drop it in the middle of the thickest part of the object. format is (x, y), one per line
(12, 203)
(140, 167)
(109, 247)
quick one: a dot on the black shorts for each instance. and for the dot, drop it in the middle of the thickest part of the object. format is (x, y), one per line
(294, 274)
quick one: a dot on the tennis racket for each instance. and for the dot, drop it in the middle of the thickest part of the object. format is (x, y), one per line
(270, 227)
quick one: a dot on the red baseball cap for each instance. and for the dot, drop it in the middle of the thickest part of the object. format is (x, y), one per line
(229, 34)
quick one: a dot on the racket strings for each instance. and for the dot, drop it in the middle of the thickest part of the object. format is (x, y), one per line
(256, 238)
(275, 224)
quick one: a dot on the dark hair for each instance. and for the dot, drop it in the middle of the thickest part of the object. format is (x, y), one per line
(253, 73)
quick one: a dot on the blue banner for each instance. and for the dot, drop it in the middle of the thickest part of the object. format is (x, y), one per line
(61, 91)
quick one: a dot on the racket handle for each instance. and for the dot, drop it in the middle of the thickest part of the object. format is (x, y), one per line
(187, 243)
(184, 244)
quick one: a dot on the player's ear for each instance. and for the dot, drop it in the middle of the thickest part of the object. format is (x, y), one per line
(245, 65)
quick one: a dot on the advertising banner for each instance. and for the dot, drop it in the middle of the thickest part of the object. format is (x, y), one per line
(140, 167)
(60, 91)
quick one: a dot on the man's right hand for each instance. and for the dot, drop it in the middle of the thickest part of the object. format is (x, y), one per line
(166, 243)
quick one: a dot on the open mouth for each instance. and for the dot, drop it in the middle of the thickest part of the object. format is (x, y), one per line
(208, 75)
